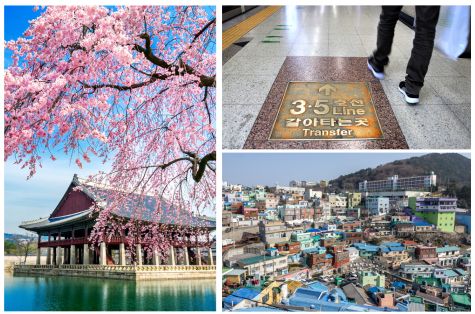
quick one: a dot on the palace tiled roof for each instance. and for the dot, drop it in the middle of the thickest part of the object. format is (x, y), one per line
(51, 222)
(101, 196)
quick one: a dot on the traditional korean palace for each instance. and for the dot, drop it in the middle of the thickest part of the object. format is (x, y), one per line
(65, 235)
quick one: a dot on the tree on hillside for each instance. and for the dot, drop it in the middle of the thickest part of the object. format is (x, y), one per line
(134, 87)
(25, 245)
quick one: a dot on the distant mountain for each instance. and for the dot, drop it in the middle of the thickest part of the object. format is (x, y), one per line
(448, 167)
(11, 236)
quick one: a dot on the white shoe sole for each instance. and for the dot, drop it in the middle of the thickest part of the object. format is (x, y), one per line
(409, 100)
(379, 76)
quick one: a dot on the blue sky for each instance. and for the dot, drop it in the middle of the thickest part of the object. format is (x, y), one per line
(272, 168)
(16, 22)
(37, 197)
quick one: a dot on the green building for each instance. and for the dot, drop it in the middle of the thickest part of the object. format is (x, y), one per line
(371, 278)
(436, 210)
(306, 240)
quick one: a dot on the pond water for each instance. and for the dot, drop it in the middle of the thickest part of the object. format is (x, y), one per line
(59, 293)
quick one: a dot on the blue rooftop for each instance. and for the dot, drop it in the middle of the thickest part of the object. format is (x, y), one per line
(422, 223)
(317, 286)
(366, 247)
(391, 244)
(239, 295)
(324, 301)
(447, 248)
(398, 284)
(313, 230)
(376, 289)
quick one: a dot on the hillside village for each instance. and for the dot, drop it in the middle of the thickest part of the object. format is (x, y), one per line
(390, 245)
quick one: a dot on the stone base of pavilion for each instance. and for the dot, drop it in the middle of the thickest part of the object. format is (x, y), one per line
(127, 272)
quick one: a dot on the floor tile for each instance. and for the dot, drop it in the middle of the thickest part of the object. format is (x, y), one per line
(432, 127)
(246, 89)
(332, 43)
(427, 94)
(239, 120)
(454, 90)
(242, 65)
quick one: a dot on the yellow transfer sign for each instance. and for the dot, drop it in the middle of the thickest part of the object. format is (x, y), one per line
(326, 111)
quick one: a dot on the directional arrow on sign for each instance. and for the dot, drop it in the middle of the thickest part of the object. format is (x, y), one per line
(327, 89)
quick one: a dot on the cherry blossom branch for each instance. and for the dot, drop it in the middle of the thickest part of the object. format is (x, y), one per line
(211, 22)
(147, 52)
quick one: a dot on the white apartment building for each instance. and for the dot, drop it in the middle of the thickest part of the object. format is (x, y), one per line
(394, 183)
(415, 269)
(377, 206)
(310, 194)
(448, 255)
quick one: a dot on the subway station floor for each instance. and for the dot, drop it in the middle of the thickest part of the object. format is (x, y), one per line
(331, 44)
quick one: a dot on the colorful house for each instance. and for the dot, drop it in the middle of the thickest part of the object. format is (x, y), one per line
(438, 211)
(371, 278)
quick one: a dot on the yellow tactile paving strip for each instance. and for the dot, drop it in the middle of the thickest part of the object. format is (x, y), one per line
(237, 31)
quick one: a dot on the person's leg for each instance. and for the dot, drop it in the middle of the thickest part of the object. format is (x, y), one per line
(387, 22)
(423, 45)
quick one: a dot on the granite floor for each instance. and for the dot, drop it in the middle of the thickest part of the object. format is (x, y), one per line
(440, 121)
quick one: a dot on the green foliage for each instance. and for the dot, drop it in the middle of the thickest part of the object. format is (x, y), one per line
(9, 247)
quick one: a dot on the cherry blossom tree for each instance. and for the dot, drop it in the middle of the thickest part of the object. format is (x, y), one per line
(134, 87)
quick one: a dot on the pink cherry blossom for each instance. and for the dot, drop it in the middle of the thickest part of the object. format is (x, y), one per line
(133, 86)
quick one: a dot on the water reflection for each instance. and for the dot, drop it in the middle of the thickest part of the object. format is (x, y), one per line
(75, 293)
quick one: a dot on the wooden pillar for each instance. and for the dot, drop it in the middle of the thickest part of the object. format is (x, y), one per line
(102, 256)
(187, 258)
(38, 256)
(48, 256)
(172, 256)
(59, 255)
(122, 261)
(210, 252)
(85, 254)
(72, 255)
(139, 254)
(38, 253)
(199, 255)
(64, 251)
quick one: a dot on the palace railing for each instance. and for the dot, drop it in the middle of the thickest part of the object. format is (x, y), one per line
(23, 266)
(140, 267)
(124, 268)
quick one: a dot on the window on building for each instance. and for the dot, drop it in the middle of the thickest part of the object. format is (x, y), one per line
(265, 298)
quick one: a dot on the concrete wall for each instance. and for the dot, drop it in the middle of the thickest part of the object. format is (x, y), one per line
(236, 233)
(30, 260)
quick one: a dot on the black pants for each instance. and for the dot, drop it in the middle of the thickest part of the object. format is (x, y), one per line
(423, 44)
